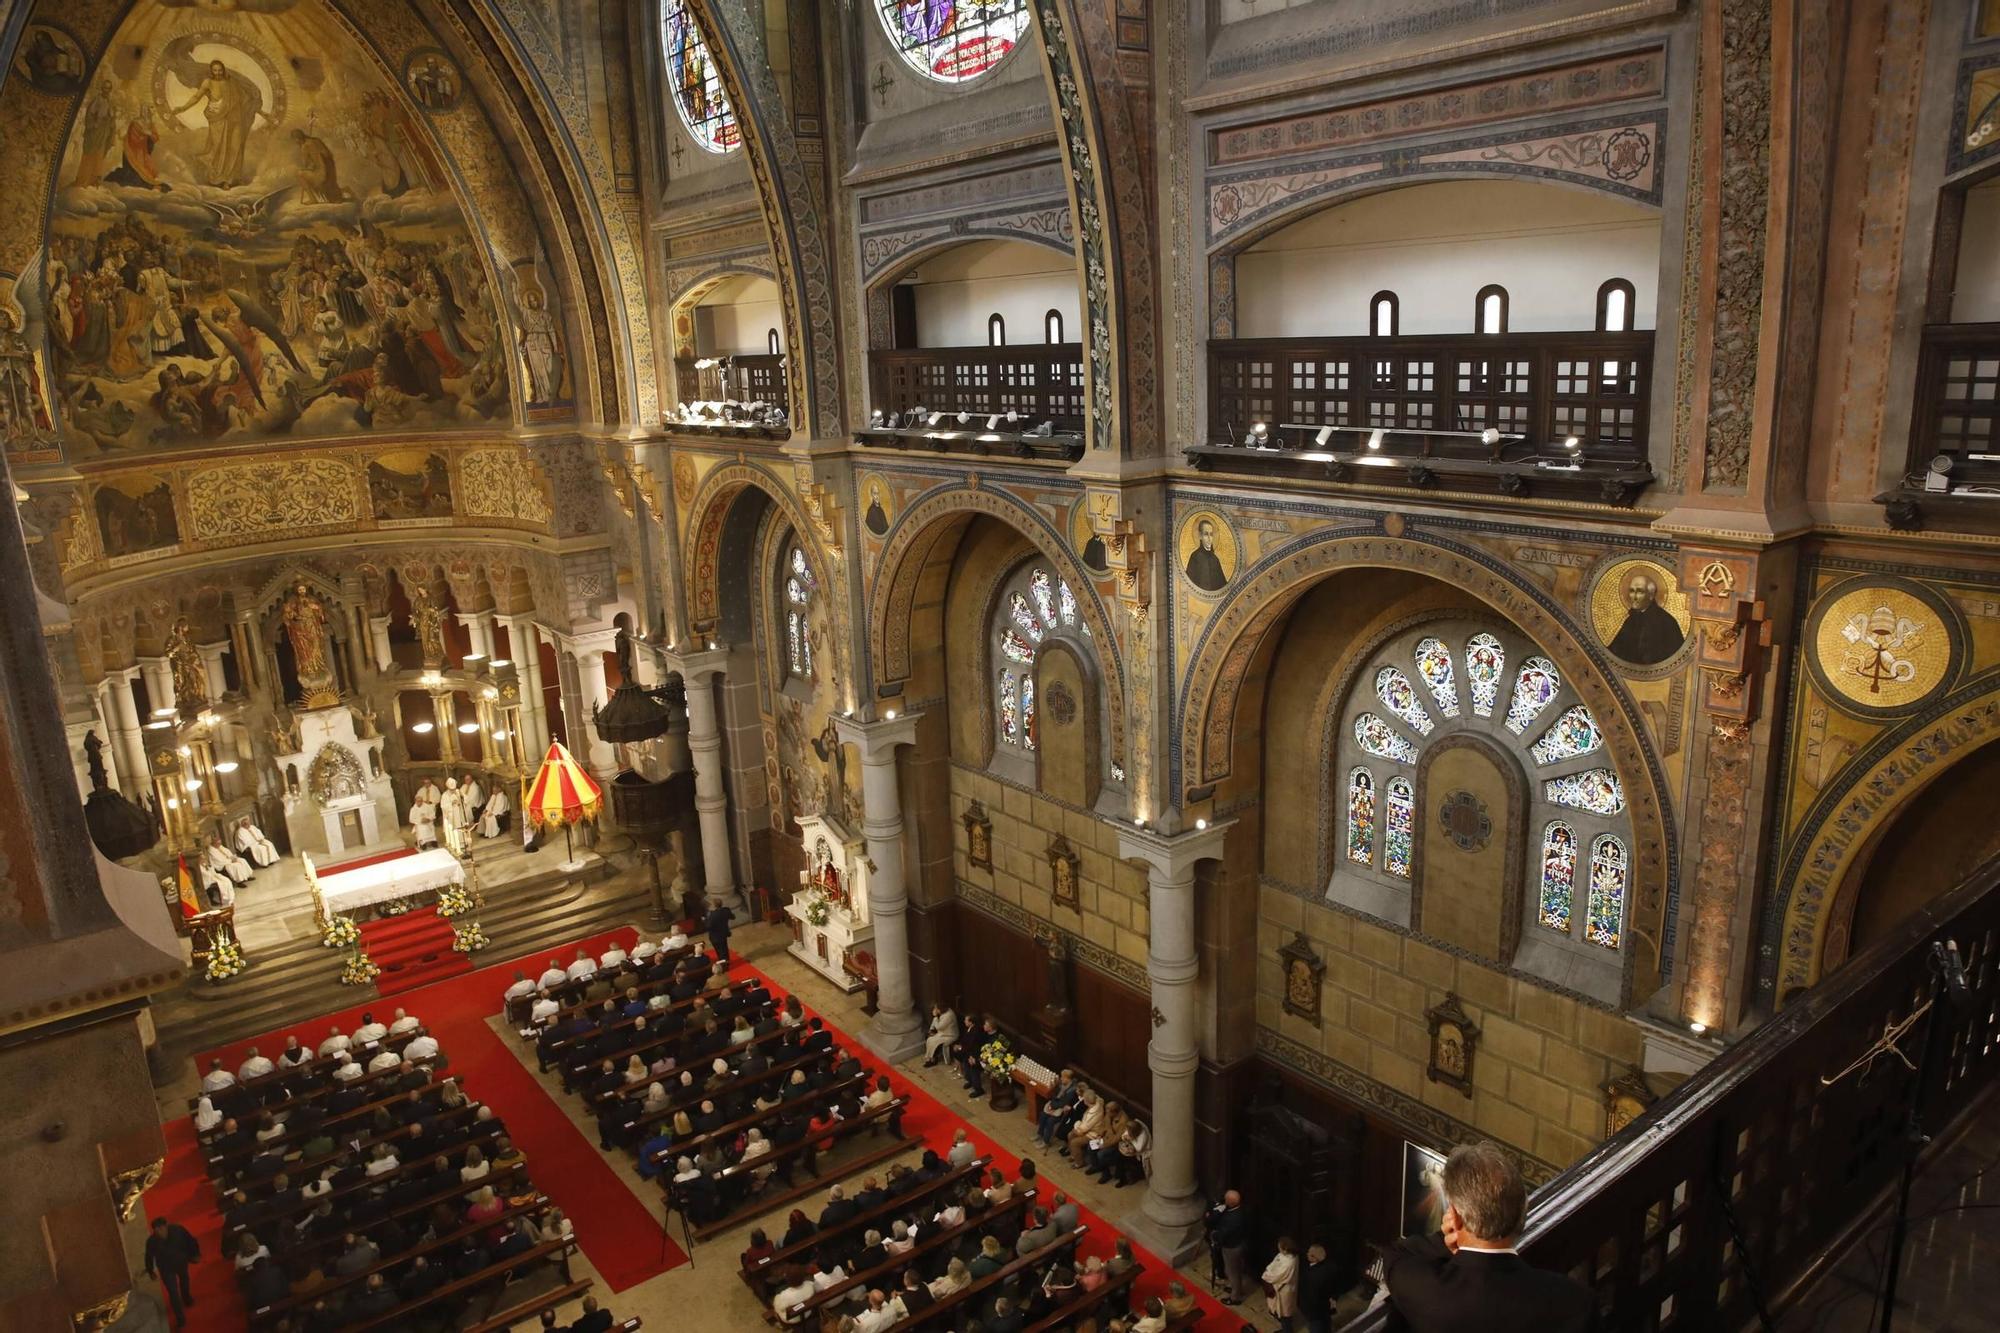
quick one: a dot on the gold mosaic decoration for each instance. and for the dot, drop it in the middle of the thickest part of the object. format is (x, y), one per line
(1609, 596)
(1881, 647)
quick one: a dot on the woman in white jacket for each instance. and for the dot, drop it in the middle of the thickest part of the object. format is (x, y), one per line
(1281, 1284)
(944, 1031)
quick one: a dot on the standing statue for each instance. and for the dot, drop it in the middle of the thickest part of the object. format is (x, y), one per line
(93, 756)
(429, 624)
(368, 721)
(305, 624)
(190, 676)
(628, 665)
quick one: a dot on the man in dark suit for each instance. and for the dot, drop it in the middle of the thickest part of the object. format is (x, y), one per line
(594, 1320)
(169, 1251)
(1470, 1275)
(718, 925)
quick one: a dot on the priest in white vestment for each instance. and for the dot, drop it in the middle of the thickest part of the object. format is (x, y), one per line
(493, 822)
(225, 862)
(451, 814)
(423, 822)
(475, 797)
(250, 841)
(428, 793)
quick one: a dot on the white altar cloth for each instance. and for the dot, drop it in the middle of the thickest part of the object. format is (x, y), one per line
(386, 881)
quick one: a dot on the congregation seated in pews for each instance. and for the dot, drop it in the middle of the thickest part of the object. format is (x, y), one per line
(364, 1196)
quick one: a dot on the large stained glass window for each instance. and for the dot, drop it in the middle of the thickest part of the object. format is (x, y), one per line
(694, 83)
(1558, 883)
(1534, 689)
(1607, 892)
(1398, 827)
(1393, 688)
(954, 40)
(1434, 665)
(1485, 659)
(799, 586)
(1380, 739)
(1034, 603)
(1361, 817)
(1573, 733)
(1595, 789)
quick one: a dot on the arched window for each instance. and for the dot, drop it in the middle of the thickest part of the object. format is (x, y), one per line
(996, 331)
(1558, 882)
(1033, 605)
(1361, 817)
(1616, 303)
(953, 43)
(799, 587)
(1398, 827)
(1383, 315)
(1607, 892)
(1052, 327)
(694, 84)
(1489, 309)
(771, 341)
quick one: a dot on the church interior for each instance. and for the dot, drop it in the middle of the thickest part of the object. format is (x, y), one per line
(995, 664)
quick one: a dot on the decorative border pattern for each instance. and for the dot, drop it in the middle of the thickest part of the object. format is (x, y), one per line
(1744, 207)
(885, 250)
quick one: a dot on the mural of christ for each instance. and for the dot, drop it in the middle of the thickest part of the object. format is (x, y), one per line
(233, 106)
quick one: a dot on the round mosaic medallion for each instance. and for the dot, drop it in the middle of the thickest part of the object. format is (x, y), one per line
(1465, 821)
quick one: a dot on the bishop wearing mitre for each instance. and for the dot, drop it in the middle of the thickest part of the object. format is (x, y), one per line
(252, 843)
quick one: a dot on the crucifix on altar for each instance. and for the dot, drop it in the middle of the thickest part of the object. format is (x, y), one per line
(829, 913)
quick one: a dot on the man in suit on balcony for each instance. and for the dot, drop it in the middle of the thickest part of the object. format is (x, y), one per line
(1469, 1275)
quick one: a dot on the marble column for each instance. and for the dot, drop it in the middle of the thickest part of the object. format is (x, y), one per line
(598, 753)
(211, 663)
(1169, 1219)
(479, 633)
(249, 664)
(125, 723)
(897, 1032)
(711, 804)
(527, 659)
(159, 678)
(378, 638)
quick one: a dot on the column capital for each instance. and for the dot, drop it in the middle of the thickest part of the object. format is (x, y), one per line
(881, 736)
(1173, 856)
(697, 667)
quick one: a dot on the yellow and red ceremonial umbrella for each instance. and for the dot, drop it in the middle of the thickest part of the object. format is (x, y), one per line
(561, 794)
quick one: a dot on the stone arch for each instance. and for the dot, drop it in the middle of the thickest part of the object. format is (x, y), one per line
(701, 566)
(1225, 647)
(687, 288)
(881, 273)
(1882, 781)
(916, 537)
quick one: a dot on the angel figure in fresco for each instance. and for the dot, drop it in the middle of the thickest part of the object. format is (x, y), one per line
(232, 105)
(541, 345)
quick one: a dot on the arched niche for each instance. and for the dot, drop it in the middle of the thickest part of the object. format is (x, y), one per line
(947, 295)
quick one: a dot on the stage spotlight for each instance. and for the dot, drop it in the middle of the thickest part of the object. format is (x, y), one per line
(1375, 439)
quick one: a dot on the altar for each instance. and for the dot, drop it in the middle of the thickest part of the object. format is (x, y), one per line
(829, 914)
(383, 880)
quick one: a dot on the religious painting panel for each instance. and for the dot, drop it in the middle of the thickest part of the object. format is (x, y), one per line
(1065, 873)
(246, 244)
(135, 513)
(409, 483)
(1305, 976)
(1453, 1040)
(1423, 1190)
(978, 836)
(1206, 551)
(1640, 612)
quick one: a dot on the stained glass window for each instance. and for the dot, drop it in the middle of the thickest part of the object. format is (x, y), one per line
(694, 83)
(1067, 599)
(799, 587)
(1010, 722)
(1027, 710)
(1393, 688)
(1016, 648)
(1485, 659)
(1558, 890)
(1572, 734)
(1434, 665)
(1533, 689)
(1398, 828)
(795, 641)
(1607, 891)
(953, 40)
(1377, 737)
(1017, 606)
(1361, 817)
(1038, 584)
(1594, 789)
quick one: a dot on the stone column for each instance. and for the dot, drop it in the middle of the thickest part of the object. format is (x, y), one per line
(897, 1033)
(711, 805)
(595, 692)
(124, 720)
(527, 660)
(1169, 1220)
(159, 678)
(378, 638)
(479, 630)
(211, 662)
(249, 662)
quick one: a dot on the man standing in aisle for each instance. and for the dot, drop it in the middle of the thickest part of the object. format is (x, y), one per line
(169, 1251)
(1229, 1232)
(717, 925)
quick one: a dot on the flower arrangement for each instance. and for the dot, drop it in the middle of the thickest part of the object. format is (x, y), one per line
(997, 1058)
(359, 970)
(225, 958)
(454, 900)
(340, 932)
(468, 937)
(818, 910)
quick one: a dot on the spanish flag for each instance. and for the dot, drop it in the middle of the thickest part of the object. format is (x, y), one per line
(190, 900)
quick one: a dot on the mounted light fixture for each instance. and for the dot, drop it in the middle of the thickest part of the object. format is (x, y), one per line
(421, 728)
(467, 728)
(1375, 438)
(227, 766)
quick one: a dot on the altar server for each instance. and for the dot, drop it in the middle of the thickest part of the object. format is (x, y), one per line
(428, 793)
(494, 821)
(474, 797)
(251, 842)
(225, 862)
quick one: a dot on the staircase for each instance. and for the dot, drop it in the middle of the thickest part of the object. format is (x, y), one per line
(290, 983)
(412, 950)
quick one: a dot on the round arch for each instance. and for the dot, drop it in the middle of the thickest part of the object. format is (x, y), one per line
(1226, 646)
(1840, 826)
(701, 563)
(934, 521)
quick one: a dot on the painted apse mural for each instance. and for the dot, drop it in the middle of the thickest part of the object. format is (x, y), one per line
(252, 235)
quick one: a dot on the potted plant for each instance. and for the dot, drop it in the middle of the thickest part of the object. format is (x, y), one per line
(997, 1058)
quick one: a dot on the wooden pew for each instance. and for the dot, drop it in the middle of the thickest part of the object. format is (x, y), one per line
(502, 1320)
(563, 1052)
(1082, 1302)
(554, 1249)
(756, 1205)
(309, 1078)
(726, 1133)
(755, 1275)
(513, 1178)
(890, 1274)
(456, 1152)
(977, 1295)
(779, 1073)
(228, 1166)
(632, 1090)
(570, 993)
(307, 1168)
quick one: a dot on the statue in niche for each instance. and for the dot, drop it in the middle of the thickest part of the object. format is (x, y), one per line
(539, 337)
(305, 624)
(826, 875)
(190, 676)
(627, 655)
(428, 621)
(93, 758)
(366, 724)
(284, 735)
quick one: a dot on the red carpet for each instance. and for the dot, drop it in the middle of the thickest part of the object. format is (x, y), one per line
(412, 950)
(936, 1123)
(620, 1235)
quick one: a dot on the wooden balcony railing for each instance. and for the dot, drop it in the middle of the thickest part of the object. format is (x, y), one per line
(1040, 383)
(1545, 387)
(758, 379)
(1735, 1186)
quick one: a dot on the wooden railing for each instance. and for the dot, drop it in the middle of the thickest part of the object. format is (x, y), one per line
(1957, 405)
(1039, 382)
(1735, 1186)
(1544, 387)
(758, 379)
